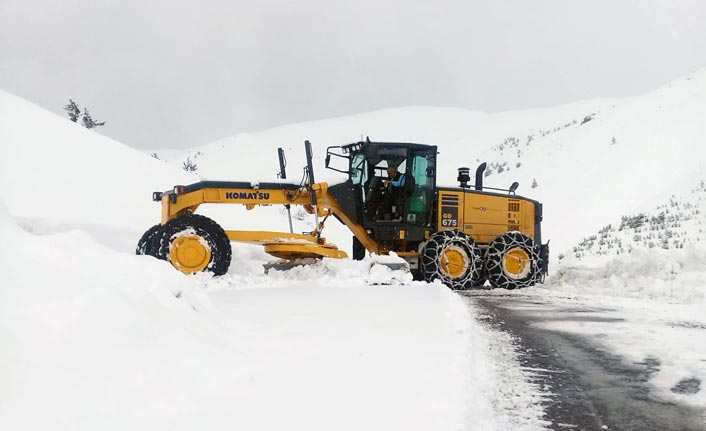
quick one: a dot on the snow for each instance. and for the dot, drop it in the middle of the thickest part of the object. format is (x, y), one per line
(622, 183)
(54, 169)
(113, 341)
(97, 338)
(668, 276)
(461, 135)
(654, 301)
(94, 337)
(584, 180)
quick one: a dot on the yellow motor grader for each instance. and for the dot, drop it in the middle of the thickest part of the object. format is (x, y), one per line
(461, 235)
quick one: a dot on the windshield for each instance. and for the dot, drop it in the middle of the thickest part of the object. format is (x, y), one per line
(359, 174)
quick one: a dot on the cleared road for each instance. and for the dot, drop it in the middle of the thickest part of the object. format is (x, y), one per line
(591, 389)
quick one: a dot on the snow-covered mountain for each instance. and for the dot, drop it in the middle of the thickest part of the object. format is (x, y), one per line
(592, 162)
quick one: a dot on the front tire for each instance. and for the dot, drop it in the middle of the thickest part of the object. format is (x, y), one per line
(451, 256)
(513, 261)
(195, 243)
(149, 242)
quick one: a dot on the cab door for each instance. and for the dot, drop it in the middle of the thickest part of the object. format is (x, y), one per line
(422, 172)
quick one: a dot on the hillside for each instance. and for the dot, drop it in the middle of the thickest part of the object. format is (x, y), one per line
(53, 170)
(592, 162)
(461, 136)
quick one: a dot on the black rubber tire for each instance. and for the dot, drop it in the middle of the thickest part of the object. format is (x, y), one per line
(433, 251)
(358, 250)
(207, 229)
(149, 242)
(499, 247)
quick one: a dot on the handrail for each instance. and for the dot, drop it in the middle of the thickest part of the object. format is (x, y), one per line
(330, 153)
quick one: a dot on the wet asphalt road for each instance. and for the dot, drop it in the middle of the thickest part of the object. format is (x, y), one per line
(591, 389)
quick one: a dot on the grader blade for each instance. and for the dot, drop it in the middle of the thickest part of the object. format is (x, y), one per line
(389, 270)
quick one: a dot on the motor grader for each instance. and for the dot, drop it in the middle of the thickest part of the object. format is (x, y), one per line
(462, 236)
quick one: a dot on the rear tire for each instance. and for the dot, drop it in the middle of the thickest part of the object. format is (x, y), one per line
(452, 257)
(513, 261)
(207, 243)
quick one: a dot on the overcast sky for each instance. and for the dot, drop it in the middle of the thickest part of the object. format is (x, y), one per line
(170, 73)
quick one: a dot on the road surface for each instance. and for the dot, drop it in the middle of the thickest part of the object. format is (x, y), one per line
(591, 389)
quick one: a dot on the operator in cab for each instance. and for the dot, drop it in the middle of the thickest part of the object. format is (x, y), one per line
(394, 193)
(395, 179)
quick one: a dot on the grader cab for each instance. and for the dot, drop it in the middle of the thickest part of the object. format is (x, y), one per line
(462, 235)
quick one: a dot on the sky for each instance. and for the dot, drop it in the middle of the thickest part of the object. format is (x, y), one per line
(172, 74)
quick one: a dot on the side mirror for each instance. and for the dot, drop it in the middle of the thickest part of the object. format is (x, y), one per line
(328, 159)
(513, 187)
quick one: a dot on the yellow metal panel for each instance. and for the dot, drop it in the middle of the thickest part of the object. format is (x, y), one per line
(528, 219)
(212, 195)
(450, 209)
(485, 216)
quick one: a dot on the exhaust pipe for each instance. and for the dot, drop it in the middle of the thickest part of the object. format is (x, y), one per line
(479, 175)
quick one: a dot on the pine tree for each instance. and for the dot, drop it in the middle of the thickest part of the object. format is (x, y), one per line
(72, 110)
(89, 122)
(189, 165)
(534, 183)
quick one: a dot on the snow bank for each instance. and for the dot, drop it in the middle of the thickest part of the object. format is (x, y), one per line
(95, 339)
(677, 276)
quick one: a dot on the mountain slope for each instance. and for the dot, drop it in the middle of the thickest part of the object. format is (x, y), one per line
(592, 161)
(54, 169)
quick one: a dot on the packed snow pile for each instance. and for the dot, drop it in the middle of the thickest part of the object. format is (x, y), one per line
(97, 339)
(674, 276)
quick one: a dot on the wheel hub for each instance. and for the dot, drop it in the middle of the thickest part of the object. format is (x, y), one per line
(189, 254)
(517, 263)
(454, 261)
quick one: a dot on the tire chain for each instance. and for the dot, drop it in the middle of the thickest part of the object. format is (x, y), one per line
(433, 250)
(497, 250)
